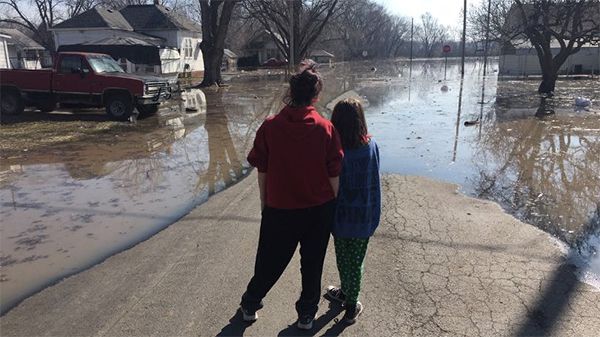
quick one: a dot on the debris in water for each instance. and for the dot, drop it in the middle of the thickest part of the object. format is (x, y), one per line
(582, 102)
(472, 122)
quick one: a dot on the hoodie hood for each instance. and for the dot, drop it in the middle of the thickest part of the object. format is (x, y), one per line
(299, 122)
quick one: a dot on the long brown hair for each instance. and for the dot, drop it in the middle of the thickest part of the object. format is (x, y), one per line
(348, 118)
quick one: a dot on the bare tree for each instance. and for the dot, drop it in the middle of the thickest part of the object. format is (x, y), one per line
(431, 34)
(40, 15)
(556, 29)
(309, 18)
(571, 23)
(216, 15)
(354, 27)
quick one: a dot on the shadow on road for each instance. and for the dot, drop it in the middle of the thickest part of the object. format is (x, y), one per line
(543, 316)
(236, 326)
(333, 311)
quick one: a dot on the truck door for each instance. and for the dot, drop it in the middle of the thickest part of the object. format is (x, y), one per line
(72, 79)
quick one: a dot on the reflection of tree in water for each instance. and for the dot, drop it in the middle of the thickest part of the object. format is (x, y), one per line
(224, 163)
(544, 170)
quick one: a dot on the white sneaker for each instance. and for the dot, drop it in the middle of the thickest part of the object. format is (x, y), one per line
(248, 316)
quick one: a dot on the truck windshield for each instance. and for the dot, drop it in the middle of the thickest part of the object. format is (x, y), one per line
(104, 64)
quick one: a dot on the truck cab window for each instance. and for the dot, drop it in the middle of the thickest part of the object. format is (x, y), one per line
(70, 63)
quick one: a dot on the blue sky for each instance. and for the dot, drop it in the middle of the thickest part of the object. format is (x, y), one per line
(448, 12)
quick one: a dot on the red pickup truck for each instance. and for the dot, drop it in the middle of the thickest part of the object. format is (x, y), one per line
(87, 79)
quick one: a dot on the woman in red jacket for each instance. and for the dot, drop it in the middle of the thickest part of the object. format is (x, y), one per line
(298, 155)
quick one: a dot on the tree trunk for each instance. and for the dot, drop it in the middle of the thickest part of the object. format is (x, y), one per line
(548, 83)
(215, 22)
(213, 59)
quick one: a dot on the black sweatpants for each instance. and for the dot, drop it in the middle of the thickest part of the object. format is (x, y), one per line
(280, 232)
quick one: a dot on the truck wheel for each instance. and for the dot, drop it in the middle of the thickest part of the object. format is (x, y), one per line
(12, 103)
(147, 110)
(119, 107)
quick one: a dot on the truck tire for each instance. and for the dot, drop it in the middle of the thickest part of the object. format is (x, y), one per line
(147, 110)
(12, 102)
(119, 106)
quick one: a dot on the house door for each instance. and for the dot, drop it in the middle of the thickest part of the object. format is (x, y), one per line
(72, 79)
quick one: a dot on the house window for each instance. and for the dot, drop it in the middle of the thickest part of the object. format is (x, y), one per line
(188, 48)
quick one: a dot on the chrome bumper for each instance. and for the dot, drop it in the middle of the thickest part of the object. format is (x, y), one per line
(162, 95)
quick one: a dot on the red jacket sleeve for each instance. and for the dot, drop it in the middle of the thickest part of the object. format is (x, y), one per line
(259, 154)
(335, 154)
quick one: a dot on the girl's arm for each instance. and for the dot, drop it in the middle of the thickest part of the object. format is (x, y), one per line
(262, 187)
(335, 185)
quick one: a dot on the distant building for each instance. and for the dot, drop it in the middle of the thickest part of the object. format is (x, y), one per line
(518, 57)
(143, 38)
(230, 60)
(322, 56)
(23, 51)
(261, 48)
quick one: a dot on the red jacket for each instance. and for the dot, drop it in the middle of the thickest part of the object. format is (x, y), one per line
(299, 151)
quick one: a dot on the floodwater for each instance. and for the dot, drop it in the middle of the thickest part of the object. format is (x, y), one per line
(88, 188)
(68, 206)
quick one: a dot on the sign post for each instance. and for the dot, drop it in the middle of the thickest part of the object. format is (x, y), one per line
(447, 49)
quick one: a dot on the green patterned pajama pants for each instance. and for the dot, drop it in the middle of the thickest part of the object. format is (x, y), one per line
(350, 254)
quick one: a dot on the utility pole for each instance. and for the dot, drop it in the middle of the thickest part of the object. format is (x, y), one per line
(487, 37)
(464, 40)
(291, 61)
(412, 24)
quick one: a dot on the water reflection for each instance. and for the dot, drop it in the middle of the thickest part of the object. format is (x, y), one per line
(545, 170)
(225, 165)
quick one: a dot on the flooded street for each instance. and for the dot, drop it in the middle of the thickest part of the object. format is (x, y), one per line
(81, 187)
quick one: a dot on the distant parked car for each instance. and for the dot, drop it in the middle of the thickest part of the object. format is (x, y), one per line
(273, 62)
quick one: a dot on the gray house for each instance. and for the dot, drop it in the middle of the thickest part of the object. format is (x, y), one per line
(23, 51)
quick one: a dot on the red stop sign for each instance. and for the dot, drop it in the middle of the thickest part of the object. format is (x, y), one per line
(447, 49)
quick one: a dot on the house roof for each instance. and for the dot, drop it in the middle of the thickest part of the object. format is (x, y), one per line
(321, 53)
(154, 17)
(124, 38)
(96, 17)
(230, 54)
(20, 39)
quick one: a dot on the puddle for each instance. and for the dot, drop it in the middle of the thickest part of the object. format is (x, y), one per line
(76, 189)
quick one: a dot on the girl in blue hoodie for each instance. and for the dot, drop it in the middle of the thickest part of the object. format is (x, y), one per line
(358, 204)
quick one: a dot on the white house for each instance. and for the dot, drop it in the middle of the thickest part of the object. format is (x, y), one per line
(520, 59)
(23, 51)
(143, 38)
(4, 59)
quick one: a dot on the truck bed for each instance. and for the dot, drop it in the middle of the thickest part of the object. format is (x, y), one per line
(27, 80)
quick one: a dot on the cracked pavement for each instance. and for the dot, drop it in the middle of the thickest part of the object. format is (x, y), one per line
(440, 264)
